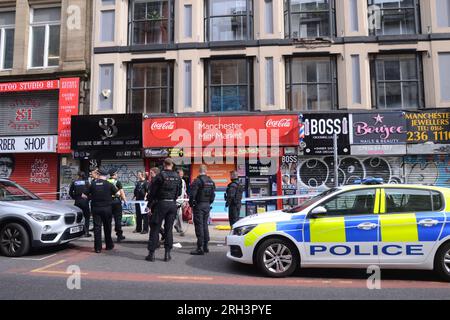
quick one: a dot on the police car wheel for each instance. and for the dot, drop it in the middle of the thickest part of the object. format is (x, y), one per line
(277, 258)
(442, 262)
(14, 240)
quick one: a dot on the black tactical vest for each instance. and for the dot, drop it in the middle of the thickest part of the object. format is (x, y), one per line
(101, 193)
(80, 187)
(170, 186)
(206, 189)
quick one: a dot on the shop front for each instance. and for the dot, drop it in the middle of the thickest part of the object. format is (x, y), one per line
(399, 147)
(249, 144)
(309, 169)
(111, 141)
(35, 132)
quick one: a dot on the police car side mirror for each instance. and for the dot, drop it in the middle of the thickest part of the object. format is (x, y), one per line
(317, 211)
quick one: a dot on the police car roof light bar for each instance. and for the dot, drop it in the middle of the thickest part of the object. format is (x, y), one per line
(369, 181)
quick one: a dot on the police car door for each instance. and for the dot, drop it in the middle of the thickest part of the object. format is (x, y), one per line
(411, 221)
(347, 231)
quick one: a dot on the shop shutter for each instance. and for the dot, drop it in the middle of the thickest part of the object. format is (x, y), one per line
(29, 114)
(429, 170)
(37, 173)
(127, 172)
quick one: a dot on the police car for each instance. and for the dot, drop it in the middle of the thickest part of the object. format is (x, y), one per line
(393, 226)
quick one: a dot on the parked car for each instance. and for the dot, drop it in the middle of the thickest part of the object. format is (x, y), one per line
(391, 226)
(26, 221)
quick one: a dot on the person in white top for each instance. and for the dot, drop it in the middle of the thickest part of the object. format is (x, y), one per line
(181, 204)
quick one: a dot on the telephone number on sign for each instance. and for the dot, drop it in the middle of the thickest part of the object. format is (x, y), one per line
(425, 136)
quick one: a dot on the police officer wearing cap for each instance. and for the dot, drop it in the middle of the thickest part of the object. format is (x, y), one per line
(203, 193)
(164, 190)
(117, 204)
(78, 191)
(100, 193)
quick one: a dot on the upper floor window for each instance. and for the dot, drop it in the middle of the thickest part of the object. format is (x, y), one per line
(229, 85)
(397, 81)
(45, 37)
(393, 17)
(311, 83)
(150, 87)
(152, 21)
(228, 20)
(7, 21)
(309, 18)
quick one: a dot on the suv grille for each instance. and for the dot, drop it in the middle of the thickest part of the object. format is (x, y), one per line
(79, 217)
(69, 218)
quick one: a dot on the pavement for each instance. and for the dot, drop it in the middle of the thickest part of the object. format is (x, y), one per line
(123, 274)
(216, 236)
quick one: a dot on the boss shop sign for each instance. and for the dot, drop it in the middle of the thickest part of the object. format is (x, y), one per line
(320, 130)
(40, 144)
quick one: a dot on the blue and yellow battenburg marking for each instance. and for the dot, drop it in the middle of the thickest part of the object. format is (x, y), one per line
(390, 228)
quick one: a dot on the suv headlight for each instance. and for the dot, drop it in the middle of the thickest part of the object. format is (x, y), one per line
(242, 231)
(42, 216)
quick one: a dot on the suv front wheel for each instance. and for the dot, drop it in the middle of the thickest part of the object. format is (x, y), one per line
(14, 240)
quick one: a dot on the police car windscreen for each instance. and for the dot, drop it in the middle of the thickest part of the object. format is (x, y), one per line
(311, 201)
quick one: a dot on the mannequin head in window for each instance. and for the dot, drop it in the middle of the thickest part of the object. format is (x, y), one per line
(6, 166)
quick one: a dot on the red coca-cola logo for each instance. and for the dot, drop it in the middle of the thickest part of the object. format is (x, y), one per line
(282, 124)
(162, 129)
(279, 123)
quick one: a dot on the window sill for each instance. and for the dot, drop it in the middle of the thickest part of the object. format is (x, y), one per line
(42, 68)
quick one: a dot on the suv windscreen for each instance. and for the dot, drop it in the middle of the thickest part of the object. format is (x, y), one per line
(10, 191)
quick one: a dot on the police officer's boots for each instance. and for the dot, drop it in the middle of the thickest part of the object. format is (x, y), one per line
(167, 256)
(205, 248)
(197, 252)
(151, 256)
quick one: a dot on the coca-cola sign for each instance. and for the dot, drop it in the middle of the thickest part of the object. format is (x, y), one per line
(168, 125)
(162, 129)
(280, 123)
(245, 130)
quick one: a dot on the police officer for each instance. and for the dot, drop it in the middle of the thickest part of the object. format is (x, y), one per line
(164, 190)
(200, 199)
(233, 198)
(100, 194)
(78, 191)
(117, 204)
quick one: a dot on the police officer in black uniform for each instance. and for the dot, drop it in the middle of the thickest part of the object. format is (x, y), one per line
(233, 198)
(200, 199)
(117, 209)
(100, 194)
(78, 191)
(164, 191)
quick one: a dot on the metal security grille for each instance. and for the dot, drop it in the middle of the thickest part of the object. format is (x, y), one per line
(27, 114)
(127, 172)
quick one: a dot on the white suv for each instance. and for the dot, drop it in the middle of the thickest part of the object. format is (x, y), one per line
(26, 221)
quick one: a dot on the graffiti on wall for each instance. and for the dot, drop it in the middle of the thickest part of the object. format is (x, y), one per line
(126, 175)
(67, 173)
(316, 174)
(39, 172)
